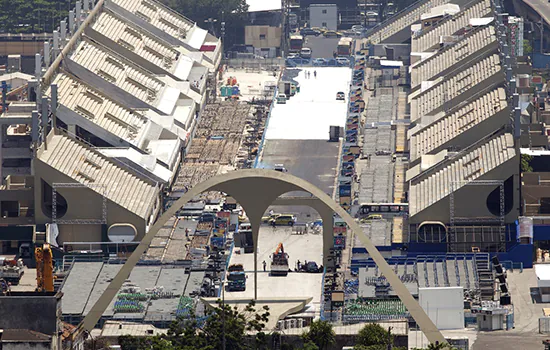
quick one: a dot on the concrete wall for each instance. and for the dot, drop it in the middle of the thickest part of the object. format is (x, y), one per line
(27, 346)
(262, 36)
(82, 203)
(31, 311)
(323, 16)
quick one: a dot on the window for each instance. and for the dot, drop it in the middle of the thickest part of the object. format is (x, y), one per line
(324, 12)
(544, 205)
(324, 24)
(262, 36)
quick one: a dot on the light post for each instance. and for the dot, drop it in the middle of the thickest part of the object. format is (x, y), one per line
(540, 26)
(211, 22)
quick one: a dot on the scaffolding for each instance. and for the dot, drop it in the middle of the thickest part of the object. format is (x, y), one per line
(99, 188)
(452, 240)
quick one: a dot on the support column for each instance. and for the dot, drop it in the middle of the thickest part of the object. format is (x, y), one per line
(328, 233)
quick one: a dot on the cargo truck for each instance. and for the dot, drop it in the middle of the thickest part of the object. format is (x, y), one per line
(236, 278)
(279, 262)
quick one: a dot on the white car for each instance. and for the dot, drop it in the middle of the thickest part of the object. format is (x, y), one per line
(305, 53)
(340, 96)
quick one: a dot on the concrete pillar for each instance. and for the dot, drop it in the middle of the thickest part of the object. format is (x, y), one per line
(2, 135)
(55, 44)
(71, 128)
(63, 28)
(37, 66)
(78, 9)
(53, 89)
(86, 6)
(71, 22)
(47, 53)
(45, 112)
(34, 128)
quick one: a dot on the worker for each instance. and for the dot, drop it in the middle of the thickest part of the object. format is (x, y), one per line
(315, 74)
(264, 263)
(270, 212)
(299, 265)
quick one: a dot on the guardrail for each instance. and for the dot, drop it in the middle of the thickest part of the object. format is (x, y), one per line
(511, 265)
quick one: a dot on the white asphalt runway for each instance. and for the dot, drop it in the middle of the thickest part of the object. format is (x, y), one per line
(309, 114)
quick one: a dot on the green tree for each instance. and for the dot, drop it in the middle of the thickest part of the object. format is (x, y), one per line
(32, 16)
(526, 163)
(440, 346)
(527, 48)
(223, 321)
(232, 12)
(374, 334)
(321, 334)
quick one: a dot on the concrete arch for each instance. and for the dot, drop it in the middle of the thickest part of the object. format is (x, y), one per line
(256, 190)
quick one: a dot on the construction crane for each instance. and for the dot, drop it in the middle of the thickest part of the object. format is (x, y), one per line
(44, 268)
(279, 262)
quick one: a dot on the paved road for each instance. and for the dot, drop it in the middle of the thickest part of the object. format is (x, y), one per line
(320, 46)
(527, 310)
(312, 160)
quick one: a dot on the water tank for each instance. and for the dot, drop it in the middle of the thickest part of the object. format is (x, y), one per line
(525, 230)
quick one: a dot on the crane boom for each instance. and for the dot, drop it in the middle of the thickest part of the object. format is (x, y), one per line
(280, 249)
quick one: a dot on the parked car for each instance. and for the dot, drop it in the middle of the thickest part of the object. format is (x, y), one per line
(281, 99)
(309, 31)
(340, 96)
(332, 62)
(283, 219)
(267, 219)
(293, 56)
(342, 61)
(320, 30)
(319, 61)
(305, 53)
(357, 28)
(332, 34)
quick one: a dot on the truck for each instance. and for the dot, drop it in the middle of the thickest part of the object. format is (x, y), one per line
(296, 43)
(279, 262)
(344, 47)
(236, 278)
(11, 270)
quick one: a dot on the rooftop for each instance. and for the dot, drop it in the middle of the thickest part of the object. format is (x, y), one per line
(23, 335)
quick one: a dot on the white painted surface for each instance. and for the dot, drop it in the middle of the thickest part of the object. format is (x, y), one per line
(543, 275)
(444, 306)
(309, 114)
(263, 5)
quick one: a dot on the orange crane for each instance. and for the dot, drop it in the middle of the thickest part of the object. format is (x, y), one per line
(279, 262)
(44, 268)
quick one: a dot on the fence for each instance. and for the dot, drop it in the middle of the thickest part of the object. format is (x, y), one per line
(256, 64)
(511, 265)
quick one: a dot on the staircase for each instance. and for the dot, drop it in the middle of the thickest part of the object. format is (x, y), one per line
(485, 277)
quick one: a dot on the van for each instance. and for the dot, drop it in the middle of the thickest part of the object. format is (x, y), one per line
(305, 52)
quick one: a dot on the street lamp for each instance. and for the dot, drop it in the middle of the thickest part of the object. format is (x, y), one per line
(211, 22)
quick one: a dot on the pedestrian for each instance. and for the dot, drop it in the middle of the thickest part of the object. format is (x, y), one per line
(264, 263)
(315, 74)
(308, 74)
(187, 232)
(299, 265)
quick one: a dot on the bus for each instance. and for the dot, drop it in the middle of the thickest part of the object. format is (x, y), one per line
(374, 208)
(296, 43)
(344, 47)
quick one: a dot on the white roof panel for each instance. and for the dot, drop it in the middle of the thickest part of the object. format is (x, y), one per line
(479, 22)
(198, 37)
(183, 67)
(168, 100)
(263, 5)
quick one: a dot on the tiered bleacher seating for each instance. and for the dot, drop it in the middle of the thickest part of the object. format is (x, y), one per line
(87, 166)
(430, 37)
(136, 40)
(469, 166)
(427, 139)
(402, 21)
(471, 45)
(117, 71)
(99, 109)
(448, 88)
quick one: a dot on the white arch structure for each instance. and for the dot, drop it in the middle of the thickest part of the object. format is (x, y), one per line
(255, 190)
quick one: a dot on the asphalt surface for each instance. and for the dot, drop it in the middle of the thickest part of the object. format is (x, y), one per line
(315, 161)
(320, 46)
